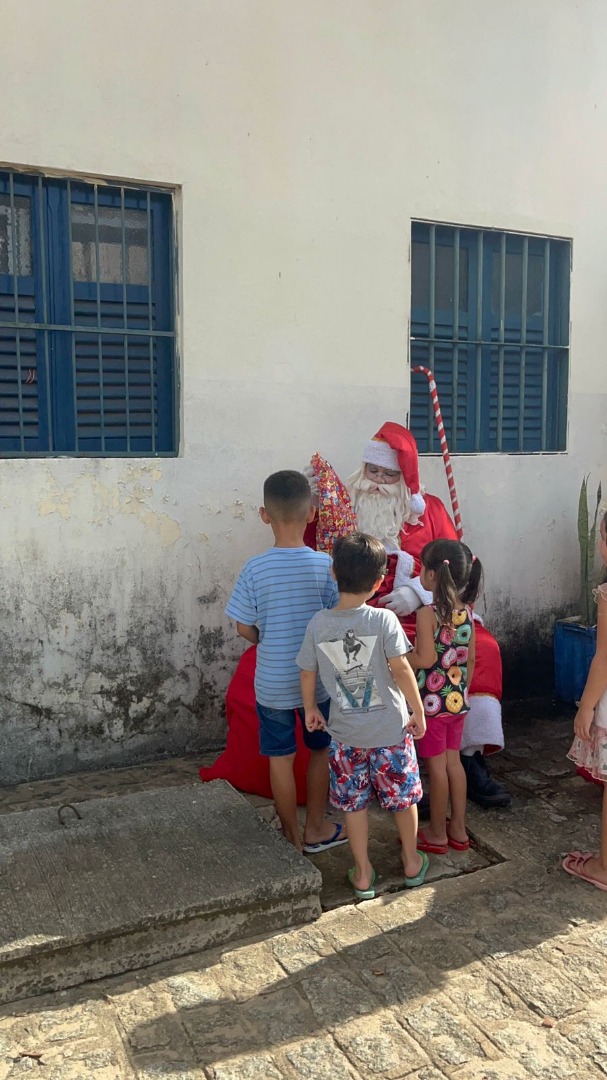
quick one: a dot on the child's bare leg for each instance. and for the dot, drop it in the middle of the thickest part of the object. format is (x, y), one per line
(406, 823)
(358, 838)
(603, 852)
(282, 781)
(317, 827)
(457, 796)
(597, 866)
(439, 798)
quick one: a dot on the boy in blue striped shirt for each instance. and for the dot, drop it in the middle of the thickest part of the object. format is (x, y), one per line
(273, 600)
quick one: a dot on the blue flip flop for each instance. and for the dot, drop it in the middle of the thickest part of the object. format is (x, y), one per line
(362, 894)
(413, 882)
(324, 845)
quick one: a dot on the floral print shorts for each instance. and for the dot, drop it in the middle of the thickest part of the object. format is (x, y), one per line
(390, 773)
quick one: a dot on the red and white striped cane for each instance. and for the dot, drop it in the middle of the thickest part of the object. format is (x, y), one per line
(444, 448)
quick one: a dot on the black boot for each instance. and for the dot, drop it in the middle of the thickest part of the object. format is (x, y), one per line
(482, 788)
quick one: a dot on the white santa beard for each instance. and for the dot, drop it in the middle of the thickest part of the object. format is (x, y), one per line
(380, 509)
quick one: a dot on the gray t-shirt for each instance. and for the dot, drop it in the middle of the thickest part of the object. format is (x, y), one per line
(351, 649)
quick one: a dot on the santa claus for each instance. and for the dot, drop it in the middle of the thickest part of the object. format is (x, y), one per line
(389, 504)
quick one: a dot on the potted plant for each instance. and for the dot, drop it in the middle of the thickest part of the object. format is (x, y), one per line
(575, 637)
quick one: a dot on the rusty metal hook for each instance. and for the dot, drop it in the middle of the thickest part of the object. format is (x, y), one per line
(68, 806)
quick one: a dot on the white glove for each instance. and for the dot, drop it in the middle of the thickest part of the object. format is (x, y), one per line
(402, 601)
(313, 481)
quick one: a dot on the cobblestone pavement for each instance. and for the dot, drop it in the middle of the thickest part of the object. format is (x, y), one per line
(497, 974)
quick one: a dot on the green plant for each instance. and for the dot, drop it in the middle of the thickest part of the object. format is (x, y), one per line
(587, 538)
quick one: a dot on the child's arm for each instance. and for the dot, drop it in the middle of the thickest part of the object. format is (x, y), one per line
(242, 606)
(404, 678)
(314, 719)
(249, 633)
(307, 662)
(596, 683)
(424, 653)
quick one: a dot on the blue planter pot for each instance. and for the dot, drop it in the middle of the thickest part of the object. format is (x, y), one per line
(574, 647)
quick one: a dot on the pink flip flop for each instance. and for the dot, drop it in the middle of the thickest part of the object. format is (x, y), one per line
(574, 864)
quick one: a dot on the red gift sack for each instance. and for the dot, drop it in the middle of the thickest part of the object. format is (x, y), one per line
(241, 764)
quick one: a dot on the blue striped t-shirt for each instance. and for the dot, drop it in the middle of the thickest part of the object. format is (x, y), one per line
(279, 592)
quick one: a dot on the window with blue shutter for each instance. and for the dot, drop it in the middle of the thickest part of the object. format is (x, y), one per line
(87, 325)
(490, 318)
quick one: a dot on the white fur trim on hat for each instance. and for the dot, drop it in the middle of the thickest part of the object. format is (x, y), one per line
(417, 504)
(377, 452)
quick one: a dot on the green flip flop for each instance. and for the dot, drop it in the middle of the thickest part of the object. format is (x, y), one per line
(413, 882)
(362, 894)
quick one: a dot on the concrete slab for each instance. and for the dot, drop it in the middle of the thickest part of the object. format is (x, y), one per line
(138, 879)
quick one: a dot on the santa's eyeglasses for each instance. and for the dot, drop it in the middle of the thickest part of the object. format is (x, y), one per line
(376, 470)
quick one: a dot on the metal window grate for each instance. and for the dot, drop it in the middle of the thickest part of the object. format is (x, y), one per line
(490, 317)
(87, 334)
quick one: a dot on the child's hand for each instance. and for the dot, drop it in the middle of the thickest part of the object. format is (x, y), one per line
(417, 725)
(583, 722)
(315, 720)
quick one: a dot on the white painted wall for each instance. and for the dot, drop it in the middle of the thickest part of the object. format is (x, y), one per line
(304, 137)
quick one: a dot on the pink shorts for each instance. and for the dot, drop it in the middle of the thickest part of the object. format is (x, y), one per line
(443, 732)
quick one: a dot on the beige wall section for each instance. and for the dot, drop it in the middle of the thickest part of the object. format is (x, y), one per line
(304, 136)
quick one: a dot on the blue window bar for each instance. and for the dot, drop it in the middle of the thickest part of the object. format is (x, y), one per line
(87, 324)
(490, 318)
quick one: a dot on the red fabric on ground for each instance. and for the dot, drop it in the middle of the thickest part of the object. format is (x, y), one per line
(241, 764)
(581, 771)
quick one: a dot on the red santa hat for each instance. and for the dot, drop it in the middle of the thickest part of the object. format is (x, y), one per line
(394, 447)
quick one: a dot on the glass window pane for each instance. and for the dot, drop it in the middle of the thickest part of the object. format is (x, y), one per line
(84, 245)
(535, 286)
(463, 279)
(513, 291)
(443, 280)
(420, 270)
(514, 285)
(15, 236)
(445, 277)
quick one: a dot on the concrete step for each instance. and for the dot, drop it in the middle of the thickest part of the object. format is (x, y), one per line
(138, 879)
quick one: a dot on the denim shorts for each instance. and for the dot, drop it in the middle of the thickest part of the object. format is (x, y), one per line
(277, 730)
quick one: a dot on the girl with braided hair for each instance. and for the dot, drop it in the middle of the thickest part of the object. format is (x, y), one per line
(444, 659)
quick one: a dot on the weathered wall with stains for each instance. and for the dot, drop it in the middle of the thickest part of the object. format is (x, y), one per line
(112, 646)
(301, 138)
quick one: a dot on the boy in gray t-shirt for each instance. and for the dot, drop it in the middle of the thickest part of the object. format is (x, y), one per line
(360, 653)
